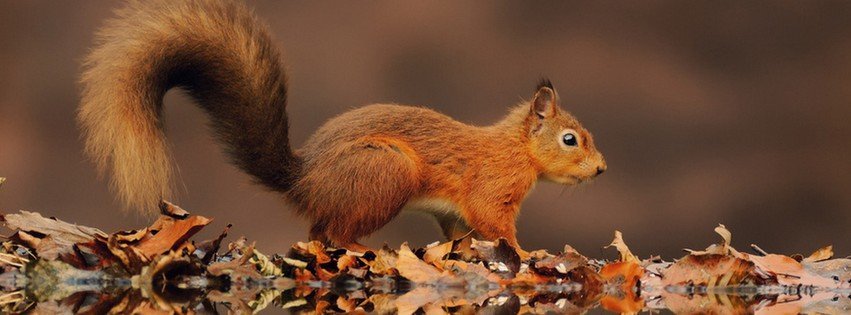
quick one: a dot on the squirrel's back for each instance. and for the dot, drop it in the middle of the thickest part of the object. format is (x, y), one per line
(408, 123)
(217, 51)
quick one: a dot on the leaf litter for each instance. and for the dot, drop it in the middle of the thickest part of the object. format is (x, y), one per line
(49, 266)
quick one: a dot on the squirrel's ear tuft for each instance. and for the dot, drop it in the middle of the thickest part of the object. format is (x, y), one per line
(545, 83)
(544, 103)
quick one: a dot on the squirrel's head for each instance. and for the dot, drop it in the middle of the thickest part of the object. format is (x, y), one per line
(564, 150)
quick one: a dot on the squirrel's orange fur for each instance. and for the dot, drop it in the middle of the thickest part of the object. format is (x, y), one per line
(355, 174)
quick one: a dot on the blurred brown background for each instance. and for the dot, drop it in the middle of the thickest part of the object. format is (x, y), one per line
(732, 112)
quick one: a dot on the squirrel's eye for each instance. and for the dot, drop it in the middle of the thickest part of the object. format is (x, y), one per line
(569, 139)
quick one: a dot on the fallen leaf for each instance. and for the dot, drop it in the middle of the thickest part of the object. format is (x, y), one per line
(823, 253)
(414, 269)
(345, 262)
(498, 252)
(313, 249)
(385, 260)
(623, 250)
(837, 271)
(709, 269)
(207, 250)
(720, 249)
(64, 234)
(172, 210)
(560, 265)
(49, 249)
(434, 254)
(264, 265)
(171, 233)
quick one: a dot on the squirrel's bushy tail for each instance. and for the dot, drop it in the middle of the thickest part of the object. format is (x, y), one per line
(222, 55)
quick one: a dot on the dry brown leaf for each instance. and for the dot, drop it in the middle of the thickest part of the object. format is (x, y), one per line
(726, 235)
(434, 253)
(539, 254)
(263, 264)
(240, 264)
(172, 210)
(499, 252)
(823, 253)
(463, 247)
(789, 271)
(385, 261)
(560, 265)
(171, 233)
(129, 256)
(837, 271)
(708, 269)
(719, 249)
(623, 250)
(49, 249)
(460, 267)
(64, 234)
(325, 275)
(313, 249)
(26, 239)
(133, 236)
(414, 269)
(345, 262)
(209, 248)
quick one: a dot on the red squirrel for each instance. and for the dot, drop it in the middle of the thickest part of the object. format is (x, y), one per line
(355, 174)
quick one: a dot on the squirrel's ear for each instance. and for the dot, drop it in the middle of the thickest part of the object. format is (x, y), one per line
(545, 101)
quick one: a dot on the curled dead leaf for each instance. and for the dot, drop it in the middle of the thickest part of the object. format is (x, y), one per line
(823, 253)
(171, 210)
(623, 250)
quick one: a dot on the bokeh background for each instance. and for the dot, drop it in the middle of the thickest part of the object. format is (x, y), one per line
(734, 112)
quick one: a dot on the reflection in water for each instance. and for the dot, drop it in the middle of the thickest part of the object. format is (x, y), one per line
(390, 296)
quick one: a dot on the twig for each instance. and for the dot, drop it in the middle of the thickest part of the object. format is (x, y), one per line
(758, 250)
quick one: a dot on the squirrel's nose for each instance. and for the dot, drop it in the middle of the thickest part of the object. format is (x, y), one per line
(600, 170)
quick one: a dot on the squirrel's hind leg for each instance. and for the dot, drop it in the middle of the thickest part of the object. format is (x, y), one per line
(353, 189)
